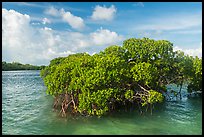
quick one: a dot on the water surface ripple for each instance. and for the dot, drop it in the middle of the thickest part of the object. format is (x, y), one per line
(26, 109)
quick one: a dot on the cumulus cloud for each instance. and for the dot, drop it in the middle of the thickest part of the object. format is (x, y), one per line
(74, 21)
(66, 16)
(105, 36)
(25, 43)
(192, 52)
(104, 13)
(52, 11)
(35, 23)
(16, 34)
(46, 21)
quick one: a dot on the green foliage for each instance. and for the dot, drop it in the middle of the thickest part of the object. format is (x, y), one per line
(196, 76)
(129, 94)
(188, 69)
(148, 77)
(153, 57)
(153, 97)
(136, 72)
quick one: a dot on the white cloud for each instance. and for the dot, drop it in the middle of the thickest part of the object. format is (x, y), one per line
(46, 28)
(74, 21)
(35, 23)
(103, 13)
(93, 53)
(28, 44)
(46, 21)
(50, 54)
(16, 36)
(105, 36)
(66, 16)
(52, 11)
(192, 52)
(34, 45)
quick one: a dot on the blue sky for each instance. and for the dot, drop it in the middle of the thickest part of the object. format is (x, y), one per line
(36, 32)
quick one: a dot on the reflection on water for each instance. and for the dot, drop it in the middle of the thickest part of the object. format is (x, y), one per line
(26, 109)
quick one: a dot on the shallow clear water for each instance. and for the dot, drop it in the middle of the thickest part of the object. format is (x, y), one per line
(26, 109)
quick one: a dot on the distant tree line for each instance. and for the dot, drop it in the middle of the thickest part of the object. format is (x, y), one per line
(18, 66)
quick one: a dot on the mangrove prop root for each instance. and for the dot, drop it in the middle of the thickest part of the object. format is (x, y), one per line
(67, 104)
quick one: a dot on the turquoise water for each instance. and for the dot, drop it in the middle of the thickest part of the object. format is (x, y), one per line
(26, 109)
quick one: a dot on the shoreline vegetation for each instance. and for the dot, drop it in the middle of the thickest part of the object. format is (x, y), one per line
(19, 66)
(131, 76)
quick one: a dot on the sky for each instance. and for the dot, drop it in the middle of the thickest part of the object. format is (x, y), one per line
(37, 32)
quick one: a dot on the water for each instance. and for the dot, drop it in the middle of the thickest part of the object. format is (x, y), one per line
(26, 109)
